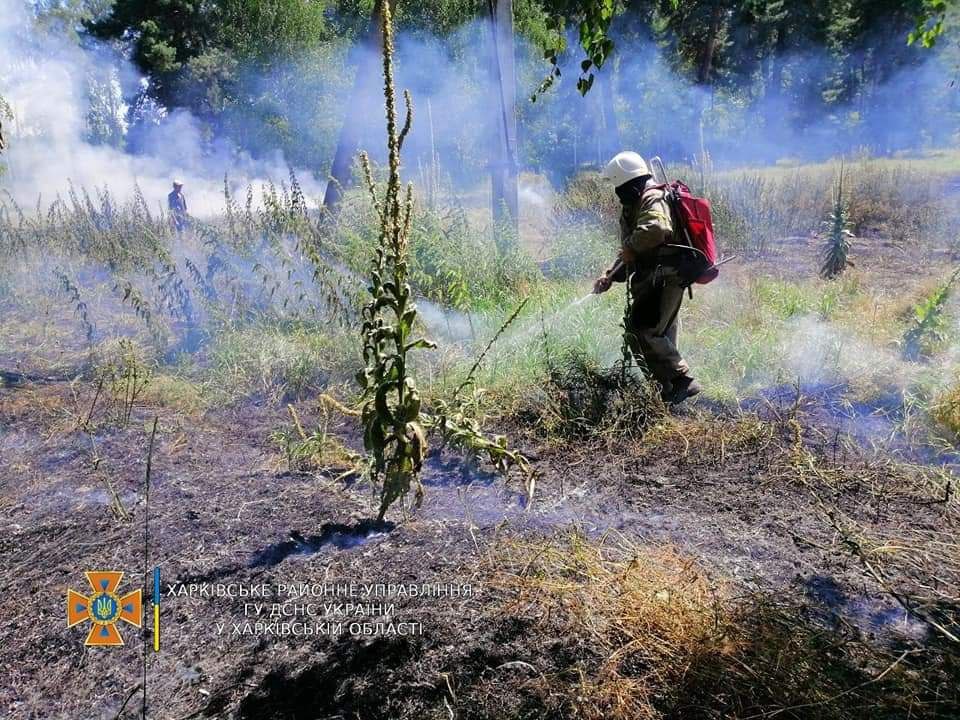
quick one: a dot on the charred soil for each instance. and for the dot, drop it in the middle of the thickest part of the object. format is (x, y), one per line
(817, 580)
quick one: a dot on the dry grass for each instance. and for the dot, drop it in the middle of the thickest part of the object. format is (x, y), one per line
(914, 557)
(47, 404)
(175, 393)
(306, 449)
(946, 410)
(897, 520)
(646, 615)
(645, 633)
(707, 438)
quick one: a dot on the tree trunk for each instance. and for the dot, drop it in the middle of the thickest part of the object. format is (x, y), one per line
(710, 47)
(351, 133)
(777, 61)
(704, 72)
(611, 129)
(503, 156)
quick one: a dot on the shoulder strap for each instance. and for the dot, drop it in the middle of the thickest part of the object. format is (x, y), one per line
(659, 190)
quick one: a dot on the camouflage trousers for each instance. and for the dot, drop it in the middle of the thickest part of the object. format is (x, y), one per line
(654, 323)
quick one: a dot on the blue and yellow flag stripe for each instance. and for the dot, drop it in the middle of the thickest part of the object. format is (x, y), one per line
(156, 609)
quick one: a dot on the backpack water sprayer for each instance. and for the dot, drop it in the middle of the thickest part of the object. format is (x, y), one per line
(693, 227)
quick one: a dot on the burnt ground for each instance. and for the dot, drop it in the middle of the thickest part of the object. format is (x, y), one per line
(719, 486)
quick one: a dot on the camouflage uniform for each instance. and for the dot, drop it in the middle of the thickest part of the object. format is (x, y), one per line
(645, 226)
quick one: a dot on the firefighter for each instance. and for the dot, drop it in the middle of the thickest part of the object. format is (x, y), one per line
(651, 266)
(177, 205)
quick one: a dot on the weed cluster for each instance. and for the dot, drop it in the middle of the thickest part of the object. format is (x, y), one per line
(582, 399)
(318, 449)
(268, 262)
(122, 376)
(929, 322)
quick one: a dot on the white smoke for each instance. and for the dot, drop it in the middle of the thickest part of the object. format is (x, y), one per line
(444, 322)
(816, 351)
(49, 82)
(535, 193)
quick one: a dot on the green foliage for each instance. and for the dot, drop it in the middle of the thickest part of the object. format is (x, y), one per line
(390, 414)
(171, 33)
(105, 111)
(438, 252)
(261, 70)
(275, 74)
(930, 23)
(782, 300)
(592, 20)
(454, 264)
(168, 33)
(836, 249)
(268, 30)
(929, 323)
(458, 428)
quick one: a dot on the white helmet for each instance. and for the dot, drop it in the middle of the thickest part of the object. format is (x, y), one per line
(624, 167)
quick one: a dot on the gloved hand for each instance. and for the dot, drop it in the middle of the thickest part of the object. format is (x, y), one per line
(602, 284)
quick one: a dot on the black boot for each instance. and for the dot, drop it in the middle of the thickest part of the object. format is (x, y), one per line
(666, 390)
(682, 388)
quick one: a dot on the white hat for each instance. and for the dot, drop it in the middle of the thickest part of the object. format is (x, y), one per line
(624, 167)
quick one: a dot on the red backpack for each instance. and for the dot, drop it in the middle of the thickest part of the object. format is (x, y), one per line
(694, 228)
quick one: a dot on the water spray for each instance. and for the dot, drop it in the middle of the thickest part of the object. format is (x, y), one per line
(611, 272)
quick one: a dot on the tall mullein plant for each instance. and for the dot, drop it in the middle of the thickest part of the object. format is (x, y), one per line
(836, 250)
(390, 414)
